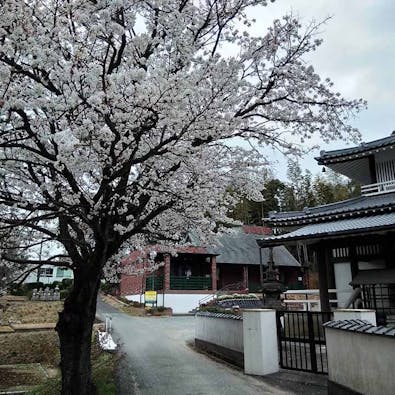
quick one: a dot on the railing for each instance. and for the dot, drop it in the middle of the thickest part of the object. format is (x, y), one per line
(231, 287)
(302, 340)
(154, 283)
(379, 187)
(224, 291)
(310, 302)
(379, 297)
(191, 282)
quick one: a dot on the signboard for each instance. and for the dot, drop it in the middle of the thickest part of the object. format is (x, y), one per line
(150, 297)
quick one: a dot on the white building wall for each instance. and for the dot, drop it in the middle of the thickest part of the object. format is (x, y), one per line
(180, 303)
(32, 277)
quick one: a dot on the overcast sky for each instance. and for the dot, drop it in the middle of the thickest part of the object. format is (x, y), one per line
(358, 54)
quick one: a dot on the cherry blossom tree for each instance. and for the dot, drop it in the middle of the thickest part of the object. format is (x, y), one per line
(116, 127)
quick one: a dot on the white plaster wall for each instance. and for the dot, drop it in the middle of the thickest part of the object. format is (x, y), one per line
(183, 303)
(364, 363)
(135, 298)
(180, 303)
(260, 342)
(355, 314)
(224, 332)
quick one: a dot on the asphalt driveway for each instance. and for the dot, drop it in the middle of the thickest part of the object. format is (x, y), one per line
(158, 360)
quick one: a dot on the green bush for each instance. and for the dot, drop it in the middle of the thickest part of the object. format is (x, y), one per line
(55, 284)
(109, 288)
(64, 293)
(24, 289)
(31, 286)
(66, 283)
(216, 309)
(16, 290)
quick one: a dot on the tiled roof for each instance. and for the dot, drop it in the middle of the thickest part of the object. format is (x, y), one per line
(219, 315)
(237, 247)
(361, 205)
(361, 326)
(242, 303)
(241, 248)
(363, 148)
(334, 228)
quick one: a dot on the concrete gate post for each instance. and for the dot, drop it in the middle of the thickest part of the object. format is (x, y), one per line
(260, 342)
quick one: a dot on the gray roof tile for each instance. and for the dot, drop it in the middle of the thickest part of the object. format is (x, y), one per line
(361, 203)
(219, 315)
(351, 225)
(361, 326)
(241, 248)
(330, 156)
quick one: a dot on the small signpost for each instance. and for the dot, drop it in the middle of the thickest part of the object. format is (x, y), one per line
(150, 297)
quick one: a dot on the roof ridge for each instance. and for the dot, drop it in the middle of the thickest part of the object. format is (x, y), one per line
(362, 147)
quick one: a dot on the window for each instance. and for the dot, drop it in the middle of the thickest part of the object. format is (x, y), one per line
(63, 272)
(45, 271)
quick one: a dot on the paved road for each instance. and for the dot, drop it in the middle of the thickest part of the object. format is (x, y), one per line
(159, 361)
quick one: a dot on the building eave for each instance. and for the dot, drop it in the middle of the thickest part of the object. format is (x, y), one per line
(361, 226)
(356, 152)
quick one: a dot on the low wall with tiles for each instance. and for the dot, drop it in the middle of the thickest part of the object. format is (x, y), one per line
(249, 341)
(220, 334)
(360, 358)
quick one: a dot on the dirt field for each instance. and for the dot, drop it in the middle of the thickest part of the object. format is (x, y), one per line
(30, 312)
(29, 358)
(29, 347)
(14, 376)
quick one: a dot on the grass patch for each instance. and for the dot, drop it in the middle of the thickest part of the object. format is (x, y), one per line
(103, 374)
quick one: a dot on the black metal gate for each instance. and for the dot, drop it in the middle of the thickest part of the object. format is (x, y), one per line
(302, 340)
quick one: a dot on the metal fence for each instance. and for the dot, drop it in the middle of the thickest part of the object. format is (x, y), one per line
(379, 297)
(191, 282)
(302, 343)
(154, 283)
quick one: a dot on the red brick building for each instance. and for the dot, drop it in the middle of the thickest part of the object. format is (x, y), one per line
(196, 271)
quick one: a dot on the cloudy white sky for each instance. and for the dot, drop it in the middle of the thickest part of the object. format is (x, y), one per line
(358, 54)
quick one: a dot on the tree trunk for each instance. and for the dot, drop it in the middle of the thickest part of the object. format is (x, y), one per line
(75, 333)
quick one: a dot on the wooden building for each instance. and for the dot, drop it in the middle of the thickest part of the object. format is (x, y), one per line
(353, 241)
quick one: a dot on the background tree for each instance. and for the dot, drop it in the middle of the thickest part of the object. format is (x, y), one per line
(302, 190)
(114, 127)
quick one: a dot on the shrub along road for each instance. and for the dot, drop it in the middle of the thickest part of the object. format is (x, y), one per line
(158, 360)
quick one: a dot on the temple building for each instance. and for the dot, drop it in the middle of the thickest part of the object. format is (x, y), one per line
(352, 241)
